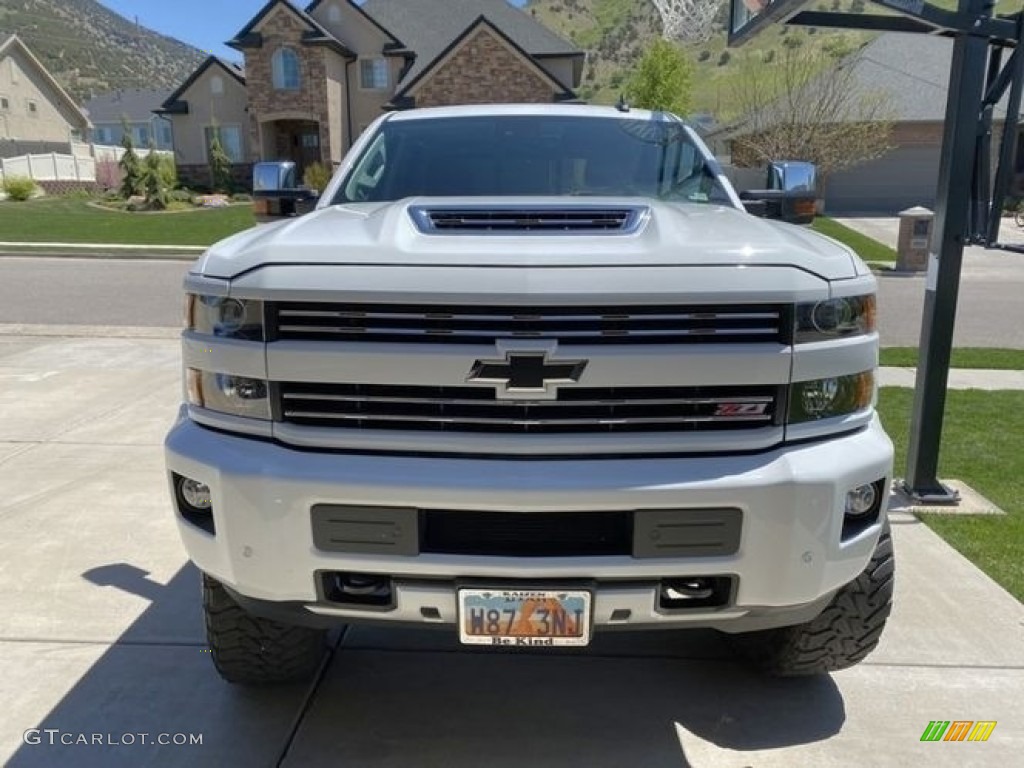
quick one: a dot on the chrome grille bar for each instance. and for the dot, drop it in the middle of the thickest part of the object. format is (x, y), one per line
(453, 324)
(478, 409)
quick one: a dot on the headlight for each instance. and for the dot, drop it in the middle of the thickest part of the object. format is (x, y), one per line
(835, 318)
(234, 395)
(827, 398)
(224, 317)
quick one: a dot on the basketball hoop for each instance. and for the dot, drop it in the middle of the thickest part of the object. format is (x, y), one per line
(687, 20)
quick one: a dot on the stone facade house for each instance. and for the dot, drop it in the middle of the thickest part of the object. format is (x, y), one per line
(315, 78)
(34, 109)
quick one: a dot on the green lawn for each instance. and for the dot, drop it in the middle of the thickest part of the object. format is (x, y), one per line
(963, 357)
(64, 220)
(983, 445)
(867, 248)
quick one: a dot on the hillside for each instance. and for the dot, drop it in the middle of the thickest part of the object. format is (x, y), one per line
(90, 49)
(615, 33)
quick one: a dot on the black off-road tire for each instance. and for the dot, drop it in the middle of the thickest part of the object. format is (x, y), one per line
(250, 650)
(840, 636)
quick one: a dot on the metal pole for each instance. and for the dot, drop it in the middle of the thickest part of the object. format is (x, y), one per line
(956, 170)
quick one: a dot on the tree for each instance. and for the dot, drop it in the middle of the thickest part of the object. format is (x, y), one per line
(220, 164)
(131, 168)
(809, 105)
(153, 180)
(662, 80)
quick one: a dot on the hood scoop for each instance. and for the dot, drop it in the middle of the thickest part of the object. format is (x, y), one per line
(529, 219)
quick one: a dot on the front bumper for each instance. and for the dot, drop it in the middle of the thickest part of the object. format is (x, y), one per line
(790, 560)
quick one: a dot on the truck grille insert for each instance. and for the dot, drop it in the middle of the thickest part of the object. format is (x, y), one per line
(477, 409)
(524, 534)
(548, 220)
(447, 324)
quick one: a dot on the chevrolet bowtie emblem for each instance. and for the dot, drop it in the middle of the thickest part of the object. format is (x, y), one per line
(526, 375)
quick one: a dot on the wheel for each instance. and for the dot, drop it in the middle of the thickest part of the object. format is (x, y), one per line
(1018, 218)
(840, 636)
(250, 650)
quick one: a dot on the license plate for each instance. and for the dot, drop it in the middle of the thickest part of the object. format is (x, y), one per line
(524, 617)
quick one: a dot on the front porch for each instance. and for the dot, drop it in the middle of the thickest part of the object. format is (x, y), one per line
(296, 139)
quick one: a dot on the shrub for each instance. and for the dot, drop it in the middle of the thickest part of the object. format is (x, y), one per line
(317, 177)
(704, 55)
(19, 188)
(108, 174)
(180, 196)
(168, 171)
(724, 58)
(241, 197)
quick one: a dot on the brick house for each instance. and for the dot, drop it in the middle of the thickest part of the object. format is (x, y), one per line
(315, 78)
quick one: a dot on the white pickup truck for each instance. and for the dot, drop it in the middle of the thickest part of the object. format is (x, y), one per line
(532, 373)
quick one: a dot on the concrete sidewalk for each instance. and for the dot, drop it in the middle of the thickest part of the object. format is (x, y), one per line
(102, 634)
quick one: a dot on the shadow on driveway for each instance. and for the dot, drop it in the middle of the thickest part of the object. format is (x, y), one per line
(410, 698)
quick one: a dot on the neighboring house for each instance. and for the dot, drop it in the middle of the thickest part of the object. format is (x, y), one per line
(110, 112)
(316, 78)
(33, 106)
(913, 70)
(212, 100)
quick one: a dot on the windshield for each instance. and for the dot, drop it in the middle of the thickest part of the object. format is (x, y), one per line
(499, 155)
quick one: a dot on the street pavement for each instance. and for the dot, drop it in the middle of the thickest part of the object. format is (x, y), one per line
(102, 634)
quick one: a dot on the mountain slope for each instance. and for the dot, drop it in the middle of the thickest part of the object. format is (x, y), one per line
(91, 50)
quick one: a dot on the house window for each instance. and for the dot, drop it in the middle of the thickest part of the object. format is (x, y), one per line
(5, 104)
(140, 135)
(230, 139)
(285, 66)
(164, 136)
(103, 135)
(334, 14)
(216, 85)
(33, 109)
(373, 74)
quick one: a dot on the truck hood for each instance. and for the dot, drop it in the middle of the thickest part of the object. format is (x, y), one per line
(672, 235)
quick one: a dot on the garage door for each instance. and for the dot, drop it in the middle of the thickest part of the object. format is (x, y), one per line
(905, 177)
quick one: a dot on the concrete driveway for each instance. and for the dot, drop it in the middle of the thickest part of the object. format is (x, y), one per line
(102, 637)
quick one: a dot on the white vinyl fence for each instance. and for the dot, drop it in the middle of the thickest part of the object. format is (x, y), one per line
(51, 167)
(79, 166)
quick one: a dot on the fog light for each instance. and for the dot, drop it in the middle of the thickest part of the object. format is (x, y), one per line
(863, 506)
(861, 500)
(195, 494)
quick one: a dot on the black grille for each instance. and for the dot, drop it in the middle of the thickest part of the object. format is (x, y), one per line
(526, 534)
(545, 220)
(577, 409)
(454, 324)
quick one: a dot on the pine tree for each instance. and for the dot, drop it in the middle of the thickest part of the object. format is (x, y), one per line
(131, 168)
(154, 185)
(220, 164)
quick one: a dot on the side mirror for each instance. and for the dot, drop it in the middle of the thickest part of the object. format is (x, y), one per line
(276, 194)
(794, 207)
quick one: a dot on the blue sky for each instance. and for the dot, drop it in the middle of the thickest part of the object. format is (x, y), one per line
(206, 24)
